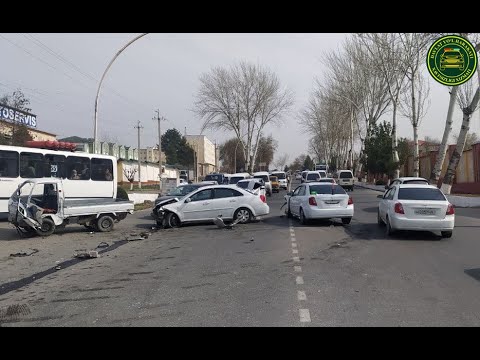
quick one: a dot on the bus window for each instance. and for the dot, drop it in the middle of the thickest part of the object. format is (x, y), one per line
(102, 169)
(8, 164)
(55, 166)
(31, 165)
(78, 168)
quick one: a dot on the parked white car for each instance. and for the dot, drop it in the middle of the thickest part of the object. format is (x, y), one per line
(345, 179)
(265, 176)
(318, 200)
(313, 176)
(416, 207)
(207, 203)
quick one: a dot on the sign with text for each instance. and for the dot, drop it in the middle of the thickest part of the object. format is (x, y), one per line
(10, 114)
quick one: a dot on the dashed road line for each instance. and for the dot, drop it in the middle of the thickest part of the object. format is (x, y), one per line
(297, 268)
(304, 315)
(301, 295)
(299, 280)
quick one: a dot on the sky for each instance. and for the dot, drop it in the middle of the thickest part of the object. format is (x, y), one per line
(60, 73)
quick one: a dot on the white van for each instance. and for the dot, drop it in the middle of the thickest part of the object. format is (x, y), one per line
(345, 179)
(266, 179)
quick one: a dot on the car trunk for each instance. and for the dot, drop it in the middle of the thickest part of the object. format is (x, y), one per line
(421, 209)
(326, 201)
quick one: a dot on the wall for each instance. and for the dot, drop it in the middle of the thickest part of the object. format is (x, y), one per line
(149, 172)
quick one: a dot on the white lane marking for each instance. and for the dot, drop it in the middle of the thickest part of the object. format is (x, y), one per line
(293, 238)
(299, 280)
(301, 295)
(304, 315)
(294, 251)
(297, 268)
(296, 259)
(294, 245)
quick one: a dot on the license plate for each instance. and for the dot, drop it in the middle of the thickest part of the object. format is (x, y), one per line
(331, 202)
(425, 211)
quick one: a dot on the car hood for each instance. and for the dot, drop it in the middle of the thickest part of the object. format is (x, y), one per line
(165, 200)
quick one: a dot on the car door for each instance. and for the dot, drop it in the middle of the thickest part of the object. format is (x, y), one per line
(199, 206)
(388, 202)
(225, 201)
(295, 200)
(382, 205)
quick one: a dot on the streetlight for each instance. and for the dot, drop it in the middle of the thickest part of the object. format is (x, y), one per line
(100, 85)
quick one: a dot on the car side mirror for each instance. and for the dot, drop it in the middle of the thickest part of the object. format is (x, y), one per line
(187, 200)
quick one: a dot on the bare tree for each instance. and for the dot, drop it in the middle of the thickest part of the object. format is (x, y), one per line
(130, 175)
(281, 161)
(244, 98)
(469, 105)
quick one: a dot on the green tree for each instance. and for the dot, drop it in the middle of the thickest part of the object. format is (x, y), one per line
(286, 168)
(404, 150)
(266, 151)
(378, 149)
(176, 148)
(308, 163)
(16, 100)
(21, 136)
(230, 150)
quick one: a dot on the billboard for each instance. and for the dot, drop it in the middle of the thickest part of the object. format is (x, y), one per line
(10, 114)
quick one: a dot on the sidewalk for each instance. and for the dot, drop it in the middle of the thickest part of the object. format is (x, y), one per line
(455, 200)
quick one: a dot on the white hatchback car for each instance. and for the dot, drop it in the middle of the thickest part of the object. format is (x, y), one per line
(320, 200)
(416, 207)
(207, 203)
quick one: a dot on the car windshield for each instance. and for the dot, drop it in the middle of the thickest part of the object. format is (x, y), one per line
(263, 177)
(325, 189)
(346, 175)
(280, 176)
(420, 194)
(182, 190)
(313, 176)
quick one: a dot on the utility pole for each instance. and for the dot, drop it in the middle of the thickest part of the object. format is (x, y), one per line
(159, 119)
(138, 127)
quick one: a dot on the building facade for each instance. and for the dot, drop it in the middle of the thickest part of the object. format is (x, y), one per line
(150, 154)
(205, 154)
(6, 128)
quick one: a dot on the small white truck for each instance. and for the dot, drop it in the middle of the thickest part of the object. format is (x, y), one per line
(41, 206)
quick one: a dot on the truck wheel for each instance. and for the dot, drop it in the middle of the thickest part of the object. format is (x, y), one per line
(47, 229)
(105, 223)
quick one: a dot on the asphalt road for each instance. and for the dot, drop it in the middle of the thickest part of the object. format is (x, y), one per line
(274, 272)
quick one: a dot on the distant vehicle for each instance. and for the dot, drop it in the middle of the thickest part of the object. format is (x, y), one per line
(407, 180)
(219, 178)
(266, 179)
(312, 176)
(282, 178)
(346, 179)
(275, 184)
(319, 201)
(206, 204)
(234, 178)
(416, 207)
(84, 175)
(298, 176)
(40, 206)
(321, 167)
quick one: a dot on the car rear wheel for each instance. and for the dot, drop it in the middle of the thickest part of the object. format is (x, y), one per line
(289, 213)
(243, 215)
(303, 219)
(346, 221)
(447, 234)
(389, 229)
(105, 223)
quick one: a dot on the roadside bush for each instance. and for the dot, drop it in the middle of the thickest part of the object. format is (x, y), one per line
(122, 194)
(380, 182)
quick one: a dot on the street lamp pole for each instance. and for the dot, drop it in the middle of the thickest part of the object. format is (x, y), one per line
(100, 85)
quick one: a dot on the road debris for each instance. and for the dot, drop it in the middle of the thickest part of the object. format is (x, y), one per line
(86, 254)
(22, 254)
(102, 245)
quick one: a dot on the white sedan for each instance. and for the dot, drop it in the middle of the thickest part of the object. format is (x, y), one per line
(416, 207)
(318, 200)
(207, 203)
